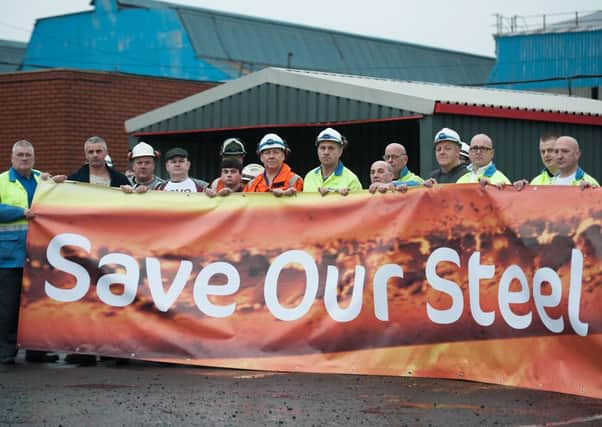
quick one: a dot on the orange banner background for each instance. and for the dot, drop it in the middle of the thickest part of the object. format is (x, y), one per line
(537, 228)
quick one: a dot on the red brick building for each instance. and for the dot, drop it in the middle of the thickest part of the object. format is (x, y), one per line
(58, 109)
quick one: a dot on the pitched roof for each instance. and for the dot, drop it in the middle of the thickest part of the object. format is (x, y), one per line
(419, 97)
(241, 44)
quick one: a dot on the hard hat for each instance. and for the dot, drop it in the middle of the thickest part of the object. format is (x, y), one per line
(251, 171)
(464, 150)
(233, 147)
(271, 140)
(447, 134)
(329, 134)
(142, 149)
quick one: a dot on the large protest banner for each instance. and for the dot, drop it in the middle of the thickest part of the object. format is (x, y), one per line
(451, 282)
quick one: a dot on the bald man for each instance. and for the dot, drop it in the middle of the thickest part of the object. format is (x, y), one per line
(396, 156)
(567, 159)
(481, 168)
(381, 177)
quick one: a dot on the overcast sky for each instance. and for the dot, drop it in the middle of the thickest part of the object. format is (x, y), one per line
(463, 25)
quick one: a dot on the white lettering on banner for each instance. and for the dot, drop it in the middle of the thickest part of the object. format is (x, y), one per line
(476, 271)
(507, 297)
(453, 313)
(129, 280)
(357, 296)
(575, 293)
(270, 288)
(381, 300)
(163, 300)
(202, 289)
(82, 278)
(541, 276)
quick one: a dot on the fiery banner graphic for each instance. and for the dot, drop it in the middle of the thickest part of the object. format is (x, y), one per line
(451, 282)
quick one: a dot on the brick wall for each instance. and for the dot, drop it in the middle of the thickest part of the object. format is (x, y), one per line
(57, 110)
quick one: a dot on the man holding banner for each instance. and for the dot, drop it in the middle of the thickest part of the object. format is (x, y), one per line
(331, 175)
(567, 159)
(17, 187)
(95, 170)
(561, 160)
(482, 169)
(277, 178)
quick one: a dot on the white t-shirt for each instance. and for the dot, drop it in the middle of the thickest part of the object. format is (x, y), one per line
(99, 180)
(186, 186)
(568, 180)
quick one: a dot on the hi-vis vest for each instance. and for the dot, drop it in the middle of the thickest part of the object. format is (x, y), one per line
(490, 172)
(13, 225)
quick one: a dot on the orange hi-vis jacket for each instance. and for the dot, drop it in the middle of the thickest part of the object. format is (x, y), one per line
(286, 178)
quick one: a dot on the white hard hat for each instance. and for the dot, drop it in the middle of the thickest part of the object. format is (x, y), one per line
(142, 149)
(329, 134)
(271, 140)
(447, 134)
(250, 171)
(464, 150)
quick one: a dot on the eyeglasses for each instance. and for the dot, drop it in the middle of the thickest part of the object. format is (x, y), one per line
(393, 156)
(480, 149)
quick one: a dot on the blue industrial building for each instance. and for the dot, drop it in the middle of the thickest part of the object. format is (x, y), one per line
(163, 39)
(563, 57)
(11, 55)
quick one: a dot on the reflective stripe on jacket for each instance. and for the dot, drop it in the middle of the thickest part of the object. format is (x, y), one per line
(285, 179)
(13, 225)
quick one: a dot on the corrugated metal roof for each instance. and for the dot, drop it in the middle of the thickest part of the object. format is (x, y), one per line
(404, 95)
(250, 43)
(11, 55)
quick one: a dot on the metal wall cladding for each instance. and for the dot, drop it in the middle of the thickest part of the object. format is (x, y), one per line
(11, 55)
(271, 104)
(254, 43)
(549, 55)
(516, 142)
(367, 142)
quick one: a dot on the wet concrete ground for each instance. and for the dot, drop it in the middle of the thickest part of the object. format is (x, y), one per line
(153, 394)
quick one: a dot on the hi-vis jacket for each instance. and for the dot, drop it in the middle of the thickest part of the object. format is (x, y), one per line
(13, 225)
(580, 175)
(487, 171)
(544, 178)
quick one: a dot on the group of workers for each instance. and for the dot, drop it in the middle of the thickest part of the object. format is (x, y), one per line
(458, 163)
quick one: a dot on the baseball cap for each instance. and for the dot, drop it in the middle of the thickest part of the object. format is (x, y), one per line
(233, 147)
(447, 134)
(251, 171)
(329, 134)
(271, 140)
(142, 149)
(231, 163)
(174, 152)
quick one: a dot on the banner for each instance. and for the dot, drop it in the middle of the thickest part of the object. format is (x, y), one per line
(456, 281)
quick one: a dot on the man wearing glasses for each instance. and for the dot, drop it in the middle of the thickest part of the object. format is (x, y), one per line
(481, 168)
(396, 156)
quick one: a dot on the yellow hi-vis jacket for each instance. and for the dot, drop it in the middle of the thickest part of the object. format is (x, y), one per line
(13, 225)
